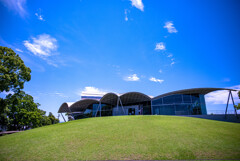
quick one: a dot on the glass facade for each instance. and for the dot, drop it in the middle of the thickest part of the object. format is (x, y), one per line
(179, 104)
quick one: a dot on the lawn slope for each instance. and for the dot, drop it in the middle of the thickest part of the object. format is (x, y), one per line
(126, 137)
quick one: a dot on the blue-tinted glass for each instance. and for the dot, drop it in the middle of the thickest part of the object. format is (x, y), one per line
(167, 110)
(169, 99)
(178, 98)
(157, 101)
(186, 98)
(181, 110)
(156, 110)
(195, 98)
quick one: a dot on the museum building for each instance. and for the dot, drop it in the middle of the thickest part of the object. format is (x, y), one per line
(181, 102)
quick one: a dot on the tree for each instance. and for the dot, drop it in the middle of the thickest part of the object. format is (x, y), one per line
(23, 112)
(18, 111)
(13, 72)
(52, 118)
(238, 106)
(13, 75)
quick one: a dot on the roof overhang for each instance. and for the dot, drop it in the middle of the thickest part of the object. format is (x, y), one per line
(82, 105)
(202, 91)
(134, 98)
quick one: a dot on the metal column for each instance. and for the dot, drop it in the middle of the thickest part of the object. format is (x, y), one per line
(233, 104)
(97, 109)
(63, 118)
(151, 108)
(227, 105)
(121, 105)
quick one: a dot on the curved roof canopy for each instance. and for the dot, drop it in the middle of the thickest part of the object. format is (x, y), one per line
(192, 91)
(82, 105)
(110, 98)
(134, 97)
(65, 107)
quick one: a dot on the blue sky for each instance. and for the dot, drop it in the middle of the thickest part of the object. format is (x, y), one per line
(97, 46)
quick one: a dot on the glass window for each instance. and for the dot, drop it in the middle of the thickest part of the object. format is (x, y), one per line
(187, 98)
(178, 98)
(195, 98)
(167, 110)
(181, 110)
(157, 101)
(169, 99)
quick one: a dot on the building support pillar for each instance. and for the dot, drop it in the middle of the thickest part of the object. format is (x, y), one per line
(100, 109)
(97, 109)
(151, 108)
(121, 105)
(63, 117)
(230, 95)
(234, 104)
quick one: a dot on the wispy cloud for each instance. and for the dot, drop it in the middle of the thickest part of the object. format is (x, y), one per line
(170, 55)
(173, 62)
(220, 97)
(19, 50)
(169, 26)
(132, 77)
(42, 45)
(138, 4)
(125, 13)
(226, 80)
(16, 5)
(160, 71)
(160, 46)
(153, 79)
(39, 15)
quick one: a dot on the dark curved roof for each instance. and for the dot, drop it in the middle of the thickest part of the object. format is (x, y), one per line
(82, 105)
(109, 98)
(65, 107)
(192, 91)
(134, 97)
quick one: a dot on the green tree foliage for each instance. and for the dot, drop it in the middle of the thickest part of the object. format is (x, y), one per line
(13, 72)
(23, 112)
(52, 118)
(18, 111)
(238, 106)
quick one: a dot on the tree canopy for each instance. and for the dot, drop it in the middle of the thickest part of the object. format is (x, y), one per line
(13, 72)
(18, 111)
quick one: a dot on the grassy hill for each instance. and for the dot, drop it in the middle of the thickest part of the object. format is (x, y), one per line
(126, 137)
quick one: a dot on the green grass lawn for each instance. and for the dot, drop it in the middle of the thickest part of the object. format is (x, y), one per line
(126, 137)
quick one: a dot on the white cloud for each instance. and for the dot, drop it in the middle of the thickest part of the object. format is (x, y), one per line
(220, 97)
(160, 71)
(156, 80)
(169, 26)
(19, 50)
(125, 12)
(138, 4)
(60, 94)
(132, 77)
(172, 63)
(17, 6)
(170, 55)
(42, 46)
(39, 16)
(160, 46)
(90, 91)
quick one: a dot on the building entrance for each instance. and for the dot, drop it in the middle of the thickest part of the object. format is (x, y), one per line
(131, 111)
